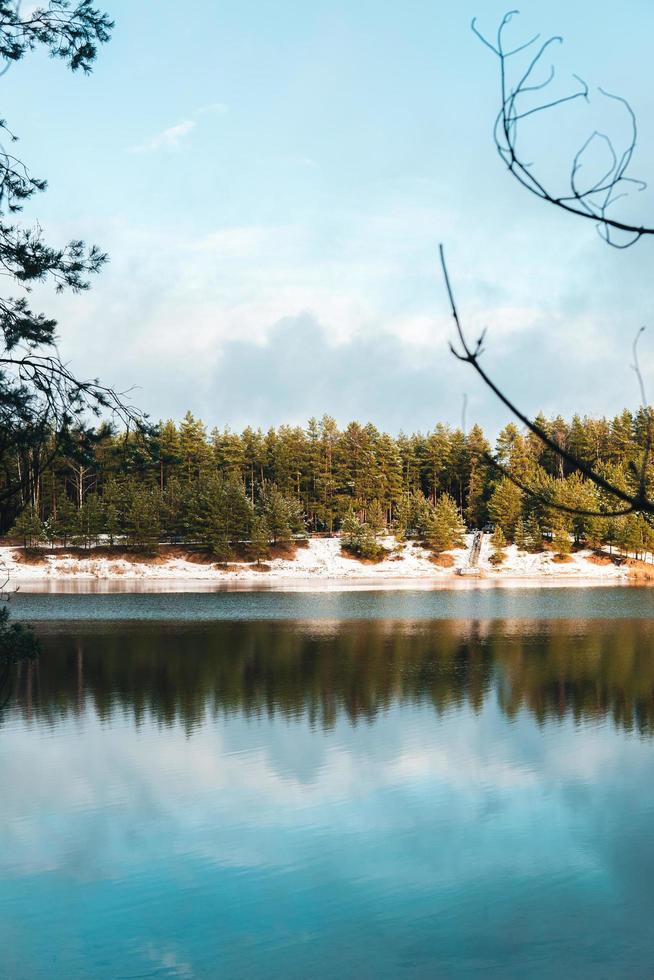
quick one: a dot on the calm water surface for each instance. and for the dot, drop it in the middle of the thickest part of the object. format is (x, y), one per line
(361, 785)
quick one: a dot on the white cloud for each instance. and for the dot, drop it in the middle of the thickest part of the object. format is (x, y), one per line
(202, 313)
(169, 139)
(217, 108)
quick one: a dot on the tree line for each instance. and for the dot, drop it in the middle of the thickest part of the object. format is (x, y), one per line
(181, 483)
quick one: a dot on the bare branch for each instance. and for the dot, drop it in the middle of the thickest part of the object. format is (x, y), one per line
(635, 503)
(591, 201)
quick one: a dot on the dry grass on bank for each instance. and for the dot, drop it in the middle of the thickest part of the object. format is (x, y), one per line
(443, 560)
(36, 557)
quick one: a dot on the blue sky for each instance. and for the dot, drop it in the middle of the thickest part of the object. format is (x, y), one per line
(272, 180)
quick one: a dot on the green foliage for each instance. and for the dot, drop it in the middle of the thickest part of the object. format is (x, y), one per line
(443, 528)
(90, 522)
(411, 515)
(520, 535)
(498, 542)
(505, 507)
(62, 524)
(533, 535)
(360, 539)
(142, 523)
(376, 519)
(283, 515)
(260, 538)
(208, 489)
(225, 515)
(561, 537)
(39, 395)
(28, 528)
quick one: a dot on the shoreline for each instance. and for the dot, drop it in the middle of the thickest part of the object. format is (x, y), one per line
(319, 566)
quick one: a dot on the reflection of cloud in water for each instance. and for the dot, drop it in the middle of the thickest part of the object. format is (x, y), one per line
(227, 792)
(183, 789)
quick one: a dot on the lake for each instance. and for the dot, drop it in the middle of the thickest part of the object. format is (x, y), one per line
(329, 785)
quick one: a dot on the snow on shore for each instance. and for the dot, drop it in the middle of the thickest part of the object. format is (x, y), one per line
(320, 562)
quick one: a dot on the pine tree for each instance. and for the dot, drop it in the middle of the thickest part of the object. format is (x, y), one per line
(169, 450)
(498, 542)
(63, 523)
(360, 539)
(390, 476)
(253, 460)
(223, 515)
(89, 521)
(437, 457)
(28, 527)
(367, 546)
(350, 528)
(111, 523)
(283, 515)
(476, 510)
(505, 506)
(260, 538)
(581, 495)
(142, 522)
(627, 536)
(520, 535)
(402, 517)
(376, 518)
(534, 534)
(194, 450)
(561, 535)
(444, 528)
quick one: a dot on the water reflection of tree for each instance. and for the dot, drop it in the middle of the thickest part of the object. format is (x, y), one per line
(8, 669)
(17, 641)
(357, 670)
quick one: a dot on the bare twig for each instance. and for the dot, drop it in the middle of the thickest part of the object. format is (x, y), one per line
(519, 101)
(638, 502)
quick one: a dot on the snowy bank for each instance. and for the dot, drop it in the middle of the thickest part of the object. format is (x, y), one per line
(321, 561)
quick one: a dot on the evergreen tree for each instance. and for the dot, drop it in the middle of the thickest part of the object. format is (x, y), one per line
(89, 521)
(169, 450)
(498, 543)
(561, 536)
(360, 539)
(350, 529)
(194, 450)
(63, 522)
(111, 523)
(260, 538)
(376, 518)
(224, 515)
(28, 528)
(142, 522)
(520, 535)
(477, 447)
(505, 506)
(208, 489)
(444, 528)
(390, 476)
(534, 534)
(283, 515)
(437, 458)
(402, 517)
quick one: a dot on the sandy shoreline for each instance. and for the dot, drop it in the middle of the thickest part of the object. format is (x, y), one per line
(318, 567)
